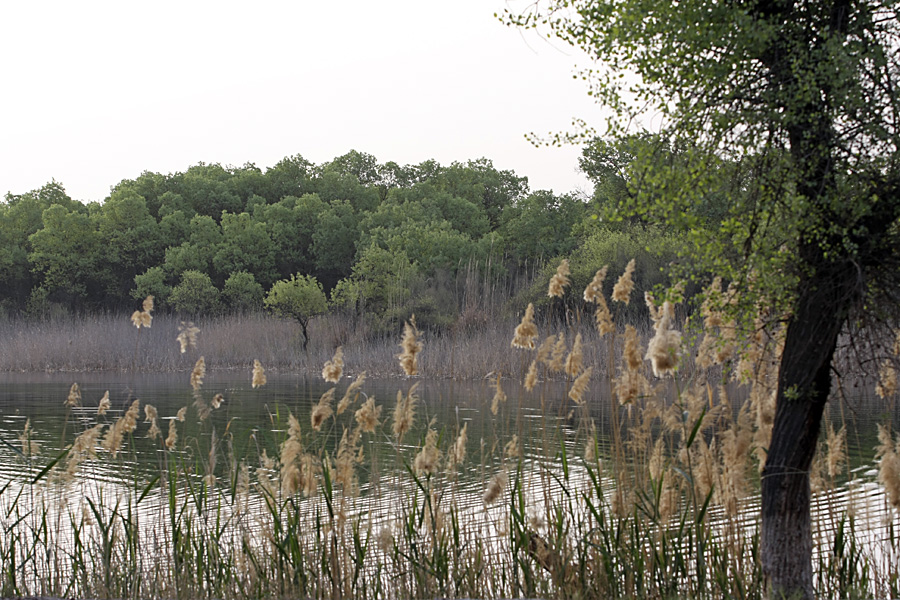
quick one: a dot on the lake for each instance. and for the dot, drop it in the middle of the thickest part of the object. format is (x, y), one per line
(213, 516)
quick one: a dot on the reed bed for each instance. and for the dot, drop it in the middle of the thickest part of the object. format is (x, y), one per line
(636, 483)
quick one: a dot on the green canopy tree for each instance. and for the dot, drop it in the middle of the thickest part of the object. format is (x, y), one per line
(195, 294)
(802, 97)
(300, 298)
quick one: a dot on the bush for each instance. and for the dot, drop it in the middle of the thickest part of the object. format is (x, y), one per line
(242, 293)
(195, 295)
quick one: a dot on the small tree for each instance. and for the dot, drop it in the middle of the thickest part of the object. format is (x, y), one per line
(242, 293)
(300, 298)
(195, 294)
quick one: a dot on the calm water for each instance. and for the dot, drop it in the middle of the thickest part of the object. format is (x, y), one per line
(255, 419)
(251, 421)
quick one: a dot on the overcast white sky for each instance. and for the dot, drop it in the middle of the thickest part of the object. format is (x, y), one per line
(95, 92)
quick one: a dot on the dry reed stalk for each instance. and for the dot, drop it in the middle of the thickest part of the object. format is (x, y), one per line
(258, 378)
(625, 284)
(334, 368)
(104, 404)
(559, 281)
(187, 336)
(404, 412)
(526, 331)
(352, 393)
(411, 348)
(322, 410)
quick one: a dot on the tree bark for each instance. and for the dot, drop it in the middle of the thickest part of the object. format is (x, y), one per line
(804, 382)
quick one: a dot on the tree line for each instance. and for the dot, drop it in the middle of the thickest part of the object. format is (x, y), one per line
(374, 237)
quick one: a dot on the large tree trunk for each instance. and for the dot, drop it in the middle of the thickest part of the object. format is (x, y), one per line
(804, 382)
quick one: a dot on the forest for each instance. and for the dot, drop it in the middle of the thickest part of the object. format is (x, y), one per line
(380, 241)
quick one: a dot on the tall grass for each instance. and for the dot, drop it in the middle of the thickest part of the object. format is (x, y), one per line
(651, 497)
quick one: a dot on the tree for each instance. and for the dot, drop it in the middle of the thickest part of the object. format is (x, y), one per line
(801, 96)
(195, 294)
(242, 293)
(300, 298)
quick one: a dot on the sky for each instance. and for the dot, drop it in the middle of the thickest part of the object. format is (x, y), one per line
(94, 92)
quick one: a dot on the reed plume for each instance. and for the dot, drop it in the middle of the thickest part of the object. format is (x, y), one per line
(291, 448)
(352, 393)
(494, 488)
(142, 318)
(187, 336)
(172, 438)
(531, 376)
(404, 412)
(888, 454)
(580, 386)
(150, 416)
(575, 359)
(74, 398)
(349, 454)
(181, 414)
(258, 378)
(558, 354)
(526, 330)
(664, 348)
(457, 453)
(499, 395)
(625, 284)
(560, 280)
(127, 423)
(29, 446)
(334, 368)
(603, 318)
(411, 348)
(216, 401)
(512, 450)
(886, 386)
(367, 416)
(104, 404)
(84, 446)
(198, 373)
(546, 347)
(594, 291)
(428, 458)
(322, 410)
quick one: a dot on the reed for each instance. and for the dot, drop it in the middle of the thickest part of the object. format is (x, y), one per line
(637, 480)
